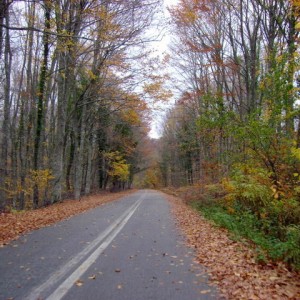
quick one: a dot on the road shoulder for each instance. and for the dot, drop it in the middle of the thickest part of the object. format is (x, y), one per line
(231, 264)
(15, 224)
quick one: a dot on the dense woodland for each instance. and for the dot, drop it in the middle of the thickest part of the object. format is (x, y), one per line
(74, 96)
(235, 128)
(77, 82)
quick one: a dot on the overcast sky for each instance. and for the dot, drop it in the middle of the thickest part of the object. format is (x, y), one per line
(161, 47)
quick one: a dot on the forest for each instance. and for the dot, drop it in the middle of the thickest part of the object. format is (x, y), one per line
(74, 97)
(234, 131)
(78, 83)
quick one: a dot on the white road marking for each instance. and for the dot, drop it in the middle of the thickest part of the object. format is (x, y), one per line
(106, 236)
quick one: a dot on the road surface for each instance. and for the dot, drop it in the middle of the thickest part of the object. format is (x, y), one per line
(126, 249)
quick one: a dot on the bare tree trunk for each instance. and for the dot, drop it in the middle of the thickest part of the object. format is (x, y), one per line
(4, 5)
(80, 156)
(88, 182)
(6, 114)
(59, 136)
(41, 96)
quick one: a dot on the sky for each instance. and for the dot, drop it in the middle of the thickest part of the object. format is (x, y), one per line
(161, 47)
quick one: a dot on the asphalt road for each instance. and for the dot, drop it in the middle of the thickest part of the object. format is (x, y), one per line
(126, 249)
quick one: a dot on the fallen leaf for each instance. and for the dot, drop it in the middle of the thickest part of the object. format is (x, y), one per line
(92, 277)
(205, 291)
(231, 264)
(79, 282)
(12, 224)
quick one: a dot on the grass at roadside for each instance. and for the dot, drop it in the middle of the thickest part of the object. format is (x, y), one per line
(259, 233)
(246, 225)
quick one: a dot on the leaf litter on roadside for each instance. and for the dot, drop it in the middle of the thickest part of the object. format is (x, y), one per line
(231, 264)
(13, 224)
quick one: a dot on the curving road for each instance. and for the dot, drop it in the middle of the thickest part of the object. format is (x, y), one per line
(127, 249)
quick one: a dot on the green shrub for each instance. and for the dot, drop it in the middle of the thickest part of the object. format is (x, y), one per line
(245, 224)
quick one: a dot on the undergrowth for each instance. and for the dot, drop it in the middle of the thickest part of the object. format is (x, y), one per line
(245, 224)
(252, 213)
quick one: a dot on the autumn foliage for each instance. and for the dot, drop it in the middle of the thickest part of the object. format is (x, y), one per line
(76, 87)
(235, 125)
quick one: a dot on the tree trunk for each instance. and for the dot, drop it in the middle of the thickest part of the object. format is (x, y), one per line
(80, 156)
(88, 181)
(6, 114)
(40, 106)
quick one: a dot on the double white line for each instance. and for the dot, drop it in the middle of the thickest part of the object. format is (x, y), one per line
(91, 253)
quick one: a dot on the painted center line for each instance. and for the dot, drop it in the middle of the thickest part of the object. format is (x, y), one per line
(104, 239)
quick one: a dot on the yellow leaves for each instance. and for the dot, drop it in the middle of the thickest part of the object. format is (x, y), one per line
(91, 75)
(185, 13)
(296, 11)
(263, 215)
(152, 178)
(113, 156)
(157, 91)
(296, 3)
(228, 186)
(119, 168)
(189, 15)
(152, 88)
(296, 152)
(41, 178)
(277, 193)
(131, 117)
(109, 29)
(231, 210)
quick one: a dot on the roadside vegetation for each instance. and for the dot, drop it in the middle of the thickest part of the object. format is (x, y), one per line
(233, 136)
(272, 237)
(232, 260)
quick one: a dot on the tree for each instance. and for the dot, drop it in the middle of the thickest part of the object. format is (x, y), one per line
(237, 61)
(77, 62)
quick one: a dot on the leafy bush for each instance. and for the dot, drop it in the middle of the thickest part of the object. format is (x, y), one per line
(245, 224)
(248, 186)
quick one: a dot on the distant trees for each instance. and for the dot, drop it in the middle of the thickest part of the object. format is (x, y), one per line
(238, 62)
(68, 97)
